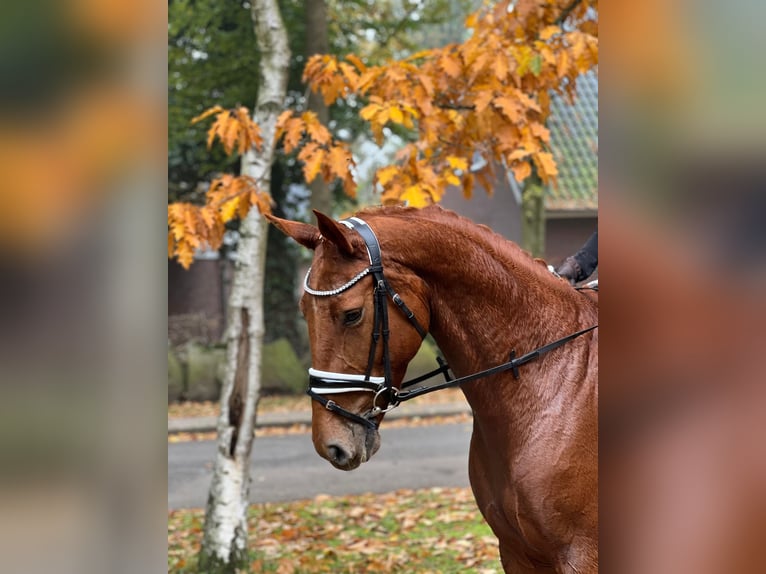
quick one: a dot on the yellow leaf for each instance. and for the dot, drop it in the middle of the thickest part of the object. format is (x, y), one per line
(577, 40)
(523, 58)
(207, 113)
(369, 112)
(415, 197)
(185, 254)
(211, 135)
(308, 150)
(482, 100)
(410, 110)
(312, 165)
(293, 135)
(525, 100)
(262, 201)
(282, 122)
(457, 162)
(386, 174)
(357, 62)
(208, 216)
(563, 65)
(451, 66)
(546, 165)
(522, 171)
(318, 133)
(452, 179)
(230, 133)
(190, 220)
(339, 160)
(377, 132)
(540, 131)
(517, 154)
(349, 186)
(396, 115)
(350, 75)
(501, 67)
(509, 107)
(309, 118)
(383, 117)
(428, 84)
(177, 227)
(229, 209)
(244, 205)
(549, 31)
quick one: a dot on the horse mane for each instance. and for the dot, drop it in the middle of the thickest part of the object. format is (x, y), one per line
(437, 213)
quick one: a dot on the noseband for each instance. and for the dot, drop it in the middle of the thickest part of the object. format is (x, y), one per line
(330, 383)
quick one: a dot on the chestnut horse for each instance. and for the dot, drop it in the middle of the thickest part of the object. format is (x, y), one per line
(533, 462)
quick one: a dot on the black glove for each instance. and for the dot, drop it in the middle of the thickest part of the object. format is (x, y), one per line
(570, 270)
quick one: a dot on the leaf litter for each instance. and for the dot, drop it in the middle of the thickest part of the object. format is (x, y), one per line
(436, 530)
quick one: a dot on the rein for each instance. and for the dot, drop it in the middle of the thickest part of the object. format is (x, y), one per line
(327, 383)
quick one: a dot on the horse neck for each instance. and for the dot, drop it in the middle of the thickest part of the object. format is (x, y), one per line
(487, 297)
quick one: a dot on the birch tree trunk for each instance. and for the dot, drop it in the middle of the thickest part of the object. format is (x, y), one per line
(224, 545)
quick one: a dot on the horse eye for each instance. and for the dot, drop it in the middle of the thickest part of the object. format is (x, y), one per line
(352, 317)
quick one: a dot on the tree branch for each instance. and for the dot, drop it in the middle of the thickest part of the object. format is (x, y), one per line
(457, 107)
(399, 27)
(567, 11)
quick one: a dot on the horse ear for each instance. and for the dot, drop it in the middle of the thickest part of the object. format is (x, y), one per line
(334, 232)
(305, 234)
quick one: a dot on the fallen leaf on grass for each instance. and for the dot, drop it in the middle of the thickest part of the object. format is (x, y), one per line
(367, 533)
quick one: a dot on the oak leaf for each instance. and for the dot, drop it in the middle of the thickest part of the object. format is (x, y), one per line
(386, 174)
(457, 162)
(415, 196)
(509, 107)
(549, 31)
(339, 160)
(521, 171)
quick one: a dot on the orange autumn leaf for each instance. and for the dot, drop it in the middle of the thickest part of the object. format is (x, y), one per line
(339, 160)
(522, 171)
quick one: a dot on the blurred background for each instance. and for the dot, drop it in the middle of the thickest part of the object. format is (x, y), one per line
(84, 318)
(82, 285)
(682, 214)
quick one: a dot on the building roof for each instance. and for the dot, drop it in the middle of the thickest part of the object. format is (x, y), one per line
(574, 142)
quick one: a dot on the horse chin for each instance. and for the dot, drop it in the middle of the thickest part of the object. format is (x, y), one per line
(371, 445)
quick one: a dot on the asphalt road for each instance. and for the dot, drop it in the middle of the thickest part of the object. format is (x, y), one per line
(288, 468)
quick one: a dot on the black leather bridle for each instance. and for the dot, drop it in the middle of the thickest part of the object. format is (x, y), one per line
(328, 383)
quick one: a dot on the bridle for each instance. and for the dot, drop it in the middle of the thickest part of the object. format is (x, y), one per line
(330, 383)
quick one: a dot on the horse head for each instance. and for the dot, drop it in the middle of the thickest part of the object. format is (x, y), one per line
(340, 310)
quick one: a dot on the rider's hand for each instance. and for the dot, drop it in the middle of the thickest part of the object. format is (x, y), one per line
(569, 270)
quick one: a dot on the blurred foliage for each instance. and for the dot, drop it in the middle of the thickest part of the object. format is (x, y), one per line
(281, 371)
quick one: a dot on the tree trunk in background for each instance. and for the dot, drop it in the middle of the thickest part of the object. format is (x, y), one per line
(224, 545)
(317, 43)
(533, 217)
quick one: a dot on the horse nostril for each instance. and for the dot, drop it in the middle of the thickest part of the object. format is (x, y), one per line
(338, 455)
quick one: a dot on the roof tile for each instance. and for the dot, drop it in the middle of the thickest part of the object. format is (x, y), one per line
(574, 142)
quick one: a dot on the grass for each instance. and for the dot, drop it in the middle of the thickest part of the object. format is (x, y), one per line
(434, 530)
